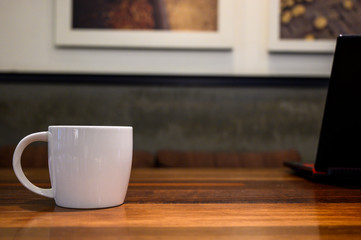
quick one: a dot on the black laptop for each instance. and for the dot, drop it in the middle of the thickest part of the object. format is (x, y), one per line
(339, 148)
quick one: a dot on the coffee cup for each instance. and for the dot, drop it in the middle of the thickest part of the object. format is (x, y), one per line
(89, 166)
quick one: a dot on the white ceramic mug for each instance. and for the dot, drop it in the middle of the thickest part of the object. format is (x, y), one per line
(89, 165)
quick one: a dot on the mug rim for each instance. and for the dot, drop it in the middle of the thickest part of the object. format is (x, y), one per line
(90, 126)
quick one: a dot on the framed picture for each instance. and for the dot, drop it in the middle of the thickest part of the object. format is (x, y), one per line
(189, 24)
(311, 25)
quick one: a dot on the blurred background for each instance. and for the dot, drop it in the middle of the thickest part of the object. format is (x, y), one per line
(245, 98)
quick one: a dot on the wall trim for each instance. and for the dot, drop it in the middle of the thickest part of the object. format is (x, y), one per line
(164, 80)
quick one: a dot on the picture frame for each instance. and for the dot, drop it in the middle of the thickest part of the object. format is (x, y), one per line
(66, 36)
(277, 44)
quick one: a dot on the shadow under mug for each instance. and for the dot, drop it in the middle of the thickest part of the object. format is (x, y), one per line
(89, 166)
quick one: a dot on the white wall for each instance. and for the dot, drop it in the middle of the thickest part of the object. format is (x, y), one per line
(27, 45)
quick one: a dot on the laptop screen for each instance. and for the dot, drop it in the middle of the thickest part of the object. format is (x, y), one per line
(340, 138)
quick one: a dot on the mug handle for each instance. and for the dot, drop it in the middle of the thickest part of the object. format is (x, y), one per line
(42, 137)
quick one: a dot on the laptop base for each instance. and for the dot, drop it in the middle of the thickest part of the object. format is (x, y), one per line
(333, 175)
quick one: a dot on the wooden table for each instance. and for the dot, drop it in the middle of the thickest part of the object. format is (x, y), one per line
(190, 204)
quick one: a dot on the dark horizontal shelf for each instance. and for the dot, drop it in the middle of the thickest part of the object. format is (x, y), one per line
(164, 80)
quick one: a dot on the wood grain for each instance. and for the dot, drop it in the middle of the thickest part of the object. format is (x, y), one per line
(192, 204)
(171, 159)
